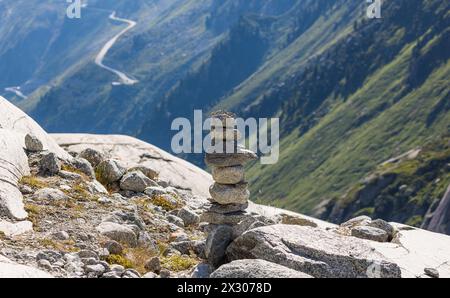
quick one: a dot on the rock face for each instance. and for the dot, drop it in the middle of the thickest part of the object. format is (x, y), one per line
(132, 152)
(440, 221)
(256, 269)
(313, 251)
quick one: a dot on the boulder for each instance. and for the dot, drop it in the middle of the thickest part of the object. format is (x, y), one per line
(229, 175)
(383, 225)
(370, 233)
(216, 244)
(33, 144)
(358, 221)
(256, 269)
(314, 251)
(93, 156)
(109, 171)
(119, 233)
(84, 166)
(230, 194)
(136, 181)
(202, 271)
(49, 164)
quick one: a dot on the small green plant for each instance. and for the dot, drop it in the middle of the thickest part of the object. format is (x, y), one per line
(33, 182)
(178, 263)
(119, 260)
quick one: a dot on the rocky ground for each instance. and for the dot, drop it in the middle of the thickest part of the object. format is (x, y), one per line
(86, 206)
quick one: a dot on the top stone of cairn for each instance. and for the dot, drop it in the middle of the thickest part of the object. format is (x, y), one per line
(223, 119)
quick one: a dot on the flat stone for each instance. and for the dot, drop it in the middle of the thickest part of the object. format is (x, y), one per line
(256, 269)
(242, 157)
(314, 251)
(225, 134)
(370, 233)
(358, 221)
(383, 225)
(50, 194)
(224, 219)
(230, 194)
(118, 233)
(431, 272)
(228, 175)
(226, 209)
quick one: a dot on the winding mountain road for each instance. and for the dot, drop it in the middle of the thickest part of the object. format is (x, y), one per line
(124, 79)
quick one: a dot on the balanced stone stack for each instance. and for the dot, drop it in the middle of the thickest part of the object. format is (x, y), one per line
(229, 194)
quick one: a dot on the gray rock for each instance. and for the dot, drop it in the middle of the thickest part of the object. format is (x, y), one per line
(114, 247)
(202, 271)
(229, 175)
(383, 225)
(184, 247)
(119, 269)
(242, 157)
(109, 171)
(230, 194)
(61, 235)
(317, 252)
(70, 176)
(33, 144)
(96, 187)
(189, 217)
(83, 166)
(49, 255)
(432, 272)
(150, 275)
(164, 273)
(216, 244)
(175, 220)
(95, 270)
(49, 194)
(111, 275)
(358, 221)
(135, 181)
(150, 173)
(49, 164)
(225, 209)
(287, 219)
(146, 241)
(256, 269)
(94, 157)
(153, 191)
(86, 254)
(153, 265)
(370, 233)
(199, 247)
(118, 233)
(45, 264)
(131, 273)
(224, 219)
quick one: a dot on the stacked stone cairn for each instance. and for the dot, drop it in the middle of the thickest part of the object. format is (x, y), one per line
(229, 194)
